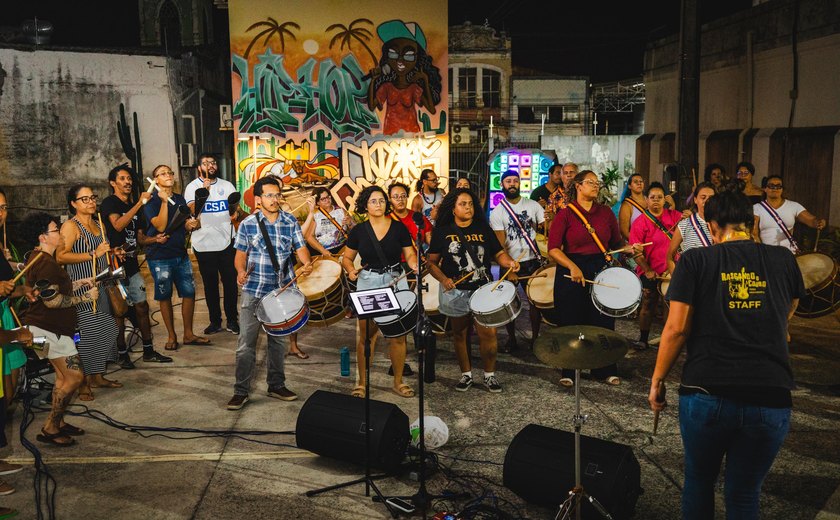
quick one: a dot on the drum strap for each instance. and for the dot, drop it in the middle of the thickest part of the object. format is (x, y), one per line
(591, 230)
(397, 219)
(369, 227)
(471, 252)
(769, 209)
(334, 223)
(271, 252)
(694, 220)
(656, 222)
(527, 236)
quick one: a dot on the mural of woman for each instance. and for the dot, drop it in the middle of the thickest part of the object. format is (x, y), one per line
(404, 78)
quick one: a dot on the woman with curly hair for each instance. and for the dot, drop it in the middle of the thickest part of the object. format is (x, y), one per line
(405, 77)
(327, 236)
(459, 258)
(380, 241)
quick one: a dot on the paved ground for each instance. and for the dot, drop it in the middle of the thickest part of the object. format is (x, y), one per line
(115, 473)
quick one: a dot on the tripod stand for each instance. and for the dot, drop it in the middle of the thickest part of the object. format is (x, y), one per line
(577, 494)
(422, 331)
(368, 478)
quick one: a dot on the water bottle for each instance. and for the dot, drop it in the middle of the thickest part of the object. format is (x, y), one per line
(345, 361)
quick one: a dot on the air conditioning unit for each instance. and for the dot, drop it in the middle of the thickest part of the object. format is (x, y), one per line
(459, 134)
(187, 155)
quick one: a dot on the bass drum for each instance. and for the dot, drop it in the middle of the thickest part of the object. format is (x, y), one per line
(540, 287)
(819, 273)
(398, 325)
(325, 292)
(619, 292)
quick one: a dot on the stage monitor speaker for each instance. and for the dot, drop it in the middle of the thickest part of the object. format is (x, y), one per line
(540, 468)
(333, 425)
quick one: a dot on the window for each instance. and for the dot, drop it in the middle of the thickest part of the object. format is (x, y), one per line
(491, 88)
(451, 98)
(571, 114)
(170, 27)
(526, 114)
(466, 87)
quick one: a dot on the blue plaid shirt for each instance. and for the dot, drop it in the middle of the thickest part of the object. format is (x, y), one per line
(285, 236)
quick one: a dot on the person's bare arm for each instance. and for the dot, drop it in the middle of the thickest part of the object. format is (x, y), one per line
(674, 335)
(162, 218)
(624, 214)
(673, 249)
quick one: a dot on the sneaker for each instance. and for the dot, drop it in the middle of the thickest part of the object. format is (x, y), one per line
(407, 371)
(237, 401)
(213, 329)
(508, 347)
(156, 357)
(464, 383)
(282, 393)
(125, 362)
(233, 327)
(7, 468)
(492, 384)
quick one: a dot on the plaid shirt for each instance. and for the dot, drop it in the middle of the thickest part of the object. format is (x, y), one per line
(285, 236)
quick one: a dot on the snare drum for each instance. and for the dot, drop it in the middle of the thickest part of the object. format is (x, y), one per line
(623, 295)
(282, 313)
(324, 292)
(494, 308)
(819, 273)
(540, 288)
(398, 325)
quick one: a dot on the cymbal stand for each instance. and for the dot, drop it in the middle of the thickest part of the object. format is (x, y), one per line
(573, 503)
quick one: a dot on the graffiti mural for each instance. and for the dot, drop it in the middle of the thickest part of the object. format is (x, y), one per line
(326, 96)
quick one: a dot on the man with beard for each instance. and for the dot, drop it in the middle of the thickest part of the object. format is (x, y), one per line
(429, 196)
(123, 221)
(515, 221)
(212, 243)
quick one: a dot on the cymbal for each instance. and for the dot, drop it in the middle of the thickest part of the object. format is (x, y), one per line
(579, 346)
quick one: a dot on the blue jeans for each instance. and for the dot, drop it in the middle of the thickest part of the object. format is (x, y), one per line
(749, 437)
(246, 351)
(172, 270)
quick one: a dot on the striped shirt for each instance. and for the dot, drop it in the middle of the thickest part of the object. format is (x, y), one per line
(689, 236)
(286, 238)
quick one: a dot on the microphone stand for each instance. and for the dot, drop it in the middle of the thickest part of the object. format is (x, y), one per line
(422, 332)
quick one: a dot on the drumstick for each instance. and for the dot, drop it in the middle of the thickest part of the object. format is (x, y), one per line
(26, 267)
(542, 275)
(93, 275)
(461, 279)
(6, 249)
(593, 282)
(154, 185)
(816, 242)
(15, 316)
(624, 249)
(150, 190)
(502, 279)
(656, 412)
(102, 235)
(297, 208)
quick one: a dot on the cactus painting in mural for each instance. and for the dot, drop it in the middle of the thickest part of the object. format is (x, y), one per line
(132, 150)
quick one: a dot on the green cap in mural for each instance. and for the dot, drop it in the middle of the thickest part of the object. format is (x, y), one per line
(392, 29)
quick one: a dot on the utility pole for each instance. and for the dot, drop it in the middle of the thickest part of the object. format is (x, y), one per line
(688, 129)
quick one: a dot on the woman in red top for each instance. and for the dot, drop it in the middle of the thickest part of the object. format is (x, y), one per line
(577, 255)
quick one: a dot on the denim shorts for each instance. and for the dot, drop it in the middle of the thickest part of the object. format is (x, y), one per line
(136, 289)
(454, 302)
(172, 270)
(370, 280)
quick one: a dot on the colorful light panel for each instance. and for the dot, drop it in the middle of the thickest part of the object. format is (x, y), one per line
(532, 166)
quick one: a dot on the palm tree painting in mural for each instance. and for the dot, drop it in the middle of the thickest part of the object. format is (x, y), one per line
(347, 33)
(272, 28)
(404, 78)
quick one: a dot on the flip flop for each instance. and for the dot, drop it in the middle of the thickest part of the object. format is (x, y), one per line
(85, 396)
(613, 380)
(403, 390)
(50, 438)
(107, 383)
(171, 345)
(69, 429)
(299, 354)
(358, 391)
(198, 340)
(567, 382)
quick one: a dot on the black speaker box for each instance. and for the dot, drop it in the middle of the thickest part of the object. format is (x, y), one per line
(333, 425)
(540, 468)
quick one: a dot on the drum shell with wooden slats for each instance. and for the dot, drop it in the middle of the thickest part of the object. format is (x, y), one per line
(819, 274)
(324, 290)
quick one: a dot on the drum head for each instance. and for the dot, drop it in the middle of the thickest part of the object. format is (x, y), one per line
(627, 294)
(407, 301)
(278, 308)
(431, 296)
(816, 268)
(484, 301)
(326, 274)
(541, 288)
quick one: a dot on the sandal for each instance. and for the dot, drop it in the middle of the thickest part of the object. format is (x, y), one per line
(358, 391)
(567, 382)
(69, 429)
(404, 390)
(299, 354)
(171, 345)
(52, 438)
(85, 396)
(198, 340)
(106, 383)
(613, 380)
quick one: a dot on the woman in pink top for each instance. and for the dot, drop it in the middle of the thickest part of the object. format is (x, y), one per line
(654, 261)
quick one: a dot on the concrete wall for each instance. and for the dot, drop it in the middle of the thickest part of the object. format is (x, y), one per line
(58, 114)
(596, 153)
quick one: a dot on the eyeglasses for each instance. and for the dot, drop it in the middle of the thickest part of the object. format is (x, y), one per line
(47, 232)
(325, 198)
(743, 172)
(431, 180)
(87, 199)
(774, 186)
(4, 207)
(376, 202)
(400, 197)
(167, 173)
(408, 55)
(271, 195)
(590, 182)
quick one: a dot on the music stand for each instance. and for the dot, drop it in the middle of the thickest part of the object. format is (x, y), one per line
(368, 304)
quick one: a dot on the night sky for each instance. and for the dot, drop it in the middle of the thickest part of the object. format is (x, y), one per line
(604, 40)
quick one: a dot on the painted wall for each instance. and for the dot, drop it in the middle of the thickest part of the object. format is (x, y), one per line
(302, 93)
(58, 114)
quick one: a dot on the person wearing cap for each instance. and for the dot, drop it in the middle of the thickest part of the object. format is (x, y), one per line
(404, 78)
(515, 222)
